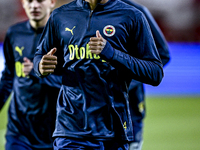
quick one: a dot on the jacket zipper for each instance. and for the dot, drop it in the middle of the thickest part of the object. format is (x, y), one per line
(90, 16)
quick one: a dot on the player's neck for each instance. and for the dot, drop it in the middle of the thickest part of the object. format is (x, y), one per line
(93, 3)
(38, 24)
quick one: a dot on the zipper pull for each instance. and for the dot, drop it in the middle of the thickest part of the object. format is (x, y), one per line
(91, 13)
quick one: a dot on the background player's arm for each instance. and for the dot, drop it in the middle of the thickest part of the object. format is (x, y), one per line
(160, 41)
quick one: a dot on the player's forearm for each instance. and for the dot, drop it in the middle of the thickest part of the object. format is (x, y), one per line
(146, 71)
(160, 41)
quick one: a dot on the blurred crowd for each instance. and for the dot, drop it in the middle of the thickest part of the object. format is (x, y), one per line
(178, 19)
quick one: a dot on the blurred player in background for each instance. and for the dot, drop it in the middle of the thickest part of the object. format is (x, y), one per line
(136, 89)
(31, 115)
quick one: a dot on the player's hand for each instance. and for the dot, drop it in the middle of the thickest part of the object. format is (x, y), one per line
(97, 44)
(28, 66)
(48, 62)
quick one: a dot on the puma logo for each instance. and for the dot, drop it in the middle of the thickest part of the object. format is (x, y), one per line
(141, 107)
(19, 50)
(70, 30)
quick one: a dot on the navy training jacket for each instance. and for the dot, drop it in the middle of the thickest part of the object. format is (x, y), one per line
(93, 101)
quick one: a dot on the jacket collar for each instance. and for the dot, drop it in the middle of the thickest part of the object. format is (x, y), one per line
(39, 30)
(100, 7)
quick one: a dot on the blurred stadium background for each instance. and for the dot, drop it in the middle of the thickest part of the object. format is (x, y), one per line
(173, 108)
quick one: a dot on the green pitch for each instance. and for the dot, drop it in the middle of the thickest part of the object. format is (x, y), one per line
(171, 123)
(3, 123)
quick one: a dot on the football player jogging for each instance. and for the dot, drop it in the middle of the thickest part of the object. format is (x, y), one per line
(136, 89)
(31, 114)
(104, 46)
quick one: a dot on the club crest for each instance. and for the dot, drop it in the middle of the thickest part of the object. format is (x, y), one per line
(109, 30)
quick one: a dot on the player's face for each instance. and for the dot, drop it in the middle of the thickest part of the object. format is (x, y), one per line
(38, 10)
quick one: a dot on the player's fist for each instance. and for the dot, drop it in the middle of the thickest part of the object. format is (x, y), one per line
(48, 62)
(27, 66)
(97, 44)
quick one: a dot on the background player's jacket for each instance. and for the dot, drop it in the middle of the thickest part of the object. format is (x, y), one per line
(136, 88)
(31, 115)
(93, 101)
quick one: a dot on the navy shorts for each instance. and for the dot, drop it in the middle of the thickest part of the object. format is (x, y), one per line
(13, 143)
(77, 144)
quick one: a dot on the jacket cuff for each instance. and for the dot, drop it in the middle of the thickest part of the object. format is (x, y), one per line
(108, 52)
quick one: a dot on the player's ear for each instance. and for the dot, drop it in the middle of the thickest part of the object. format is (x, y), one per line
(22, 1)
(53, 3)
